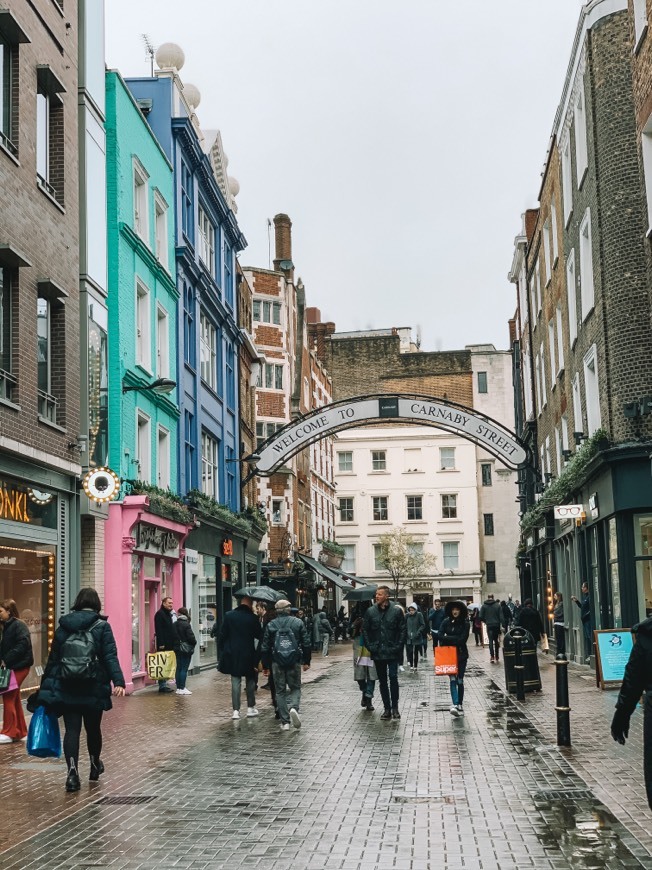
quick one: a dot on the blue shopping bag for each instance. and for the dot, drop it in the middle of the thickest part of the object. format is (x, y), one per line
(43, 738)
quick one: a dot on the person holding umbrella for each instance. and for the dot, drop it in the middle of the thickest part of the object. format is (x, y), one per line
(238, 653)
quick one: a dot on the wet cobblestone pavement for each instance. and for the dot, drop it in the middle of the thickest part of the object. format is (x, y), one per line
(186, 787)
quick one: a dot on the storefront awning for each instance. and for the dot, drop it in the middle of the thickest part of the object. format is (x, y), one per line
(326, 572)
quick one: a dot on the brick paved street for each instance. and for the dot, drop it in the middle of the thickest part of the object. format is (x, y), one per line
(347, 791)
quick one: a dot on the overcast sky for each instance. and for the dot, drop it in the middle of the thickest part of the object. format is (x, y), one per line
(404, 139)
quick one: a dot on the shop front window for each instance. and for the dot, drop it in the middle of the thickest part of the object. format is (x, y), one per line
(643, 551)
(207, 609)
(613, 575)
(595, 580)
(136, 665)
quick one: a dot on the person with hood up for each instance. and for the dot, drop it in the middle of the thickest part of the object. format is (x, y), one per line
(637, 679)
(415, 629)
(530, 620)
(184, 647)
(454, 631)
(491, 614)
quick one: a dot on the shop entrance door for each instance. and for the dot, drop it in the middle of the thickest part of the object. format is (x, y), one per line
(152, 604)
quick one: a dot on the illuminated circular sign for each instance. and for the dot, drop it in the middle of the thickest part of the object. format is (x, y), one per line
(101, 484)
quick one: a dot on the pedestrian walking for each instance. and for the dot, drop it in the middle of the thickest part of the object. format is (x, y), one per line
(184, 647)
(454, 631)
(637, 679)
(530, 619)
(238, 653)
(558, 624)
(476, 626)
(322, 630)
(364, 671)
(286, 652)
(435, 617)
(491, 615)
(83, 638)
(506, 616)
(384, 634)
(165, 634)
(15, 654)
(415, 629)
(585, 616)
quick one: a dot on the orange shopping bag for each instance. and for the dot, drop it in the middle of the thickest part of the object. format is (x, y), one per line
(445, 661)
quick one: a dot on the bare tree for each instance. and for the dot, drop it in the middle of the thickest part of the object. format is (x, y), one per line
(403, 557)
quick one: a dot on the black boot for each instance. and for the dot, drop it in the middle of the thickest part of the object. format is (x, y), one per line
(369, 706)
(97, 768)
(72, 781)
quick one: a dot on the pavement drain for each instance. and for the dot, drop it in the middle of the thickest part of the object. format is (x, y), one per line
(568, 794)
(118, 799)
(433, 797)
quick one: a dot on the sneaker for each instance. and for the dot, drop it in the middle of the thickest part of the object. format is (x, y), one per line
(454, 710)
(460, 710)
(251, 711)
(296, 719)
(236, 714)
(180, 692)
(395, 714)
(492, 660)
(401, 668)
(165, 689)
(285, 726)
(386, 714)
(186, 691)
(5, 738)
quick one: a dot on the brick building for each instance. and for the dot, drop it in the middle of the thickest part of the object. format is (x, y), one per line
(39, 313)
(583, 342)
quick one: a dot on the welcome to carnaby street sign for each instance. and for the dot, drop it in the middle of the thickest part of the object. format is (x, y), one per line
(366, 410)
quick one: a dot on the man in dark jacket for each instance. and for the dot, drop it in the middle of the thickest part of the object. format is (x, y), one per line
(435, 618)
(491, 614)
(637, 679)
(287, 677)
(237, 653)
(165, 634)
(585, 615)
(530, 620)
(384, 633)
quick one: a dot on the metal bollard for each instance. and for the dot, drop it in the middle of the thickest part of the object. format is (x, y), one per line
(562, 708)
(519, 667)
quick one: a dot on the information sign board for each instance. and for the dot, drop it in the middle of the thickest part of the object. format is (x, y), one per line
(613, 646)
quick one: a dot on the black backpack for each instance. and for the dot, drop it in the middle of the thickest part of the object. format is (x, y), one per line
(79, 662)
(286, 651)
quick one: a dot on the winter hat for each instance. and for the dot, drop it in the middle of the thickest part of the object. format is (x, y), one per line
(412, 606)
(282, 605)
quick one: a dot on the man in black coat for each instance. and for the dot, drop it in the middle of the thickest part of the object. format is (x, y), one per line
(530, 620)
(384, 633)
(585, 615)
(165, 634)
(637, 679)
(237, 653)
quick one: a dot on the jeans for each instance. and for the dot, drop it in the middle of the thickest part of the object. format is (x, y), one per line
(183, 663)
(72, 719)
(367, 687)
(385, 668)
(494, 640)
(413, 654)
(324, 644)
(236, 691)
(288, 689)
(457, 684)
(588, 638)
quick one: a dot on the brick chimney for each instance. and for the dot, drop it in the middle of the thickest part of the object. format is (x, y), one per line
(318, 334)
(283, 242)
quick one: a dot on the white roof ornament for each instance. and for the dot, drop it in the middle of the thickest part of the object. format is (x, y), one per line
(192, 95)
(234, 185)
(170, 56)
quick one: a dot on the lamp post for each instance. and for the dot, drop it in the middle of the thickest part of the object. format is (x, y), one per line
(161, 386)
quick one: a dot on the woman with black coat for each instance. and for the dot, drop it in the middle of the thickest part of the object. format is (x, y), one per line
(558, 623)
(184, 646)
(15, 654)
(454, 631)
(86, 700)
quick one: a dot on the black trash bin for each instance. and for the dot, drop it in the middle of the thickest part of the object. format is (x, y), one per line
(531, 674)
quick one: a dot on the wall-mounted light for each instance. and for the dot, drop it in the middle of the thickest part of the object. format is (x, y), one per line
(579, 437)
(161, 386)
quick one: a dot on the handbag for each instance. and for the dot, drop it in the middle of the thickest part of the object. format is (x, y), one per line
(161, 665)
(43, 737)
(544, 643)
(445, 661)
(5, 676)
(186, 648)
(11, 682)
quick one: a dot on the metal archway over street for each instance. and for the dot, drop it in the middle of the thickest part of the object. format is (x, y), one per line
(367, 410)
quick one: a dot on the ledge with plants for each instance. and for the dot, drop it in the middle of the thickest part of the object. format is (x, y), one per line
(332, 547)
(162, 502)
(212, 509)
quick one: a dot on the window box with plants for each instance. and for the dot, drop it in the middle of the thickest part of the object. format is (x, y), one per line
(331, 554)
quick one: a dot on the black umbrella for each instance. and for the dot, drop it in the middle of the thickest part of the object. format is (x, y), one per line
(246, 591)
(362, 593)
(260, 593)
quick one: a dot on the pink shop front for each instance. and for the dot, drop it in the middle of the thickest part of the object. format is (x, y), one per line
(144, 556)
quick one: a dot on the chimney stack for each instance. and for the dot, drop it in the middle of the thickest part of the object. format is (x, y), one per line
(283, 243)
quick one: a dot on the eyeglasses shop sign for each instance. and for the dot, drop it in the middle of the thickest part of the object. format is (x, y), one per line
(157, 541)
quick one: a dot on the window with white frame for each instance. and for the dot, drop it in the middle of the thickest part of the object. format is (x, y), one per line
(271, 376)
(378, 460)
(587, 290)
(278, 511)
(345, 460)
(578, 421)
(560, 340)
(522, 294)
(412, 459)
(451, 554)
(143, 341)
(485, 471)
(581, 148)
(553, 228)
(533, 302)
(161, 220)
(345, 507)
(527, 380)
(8, 52)
(415, 549)
(567, 181)
(348, 560)
(640, 20)
(141, 204)
(547, 446)
(447, 458)
(571, 294)
(163, 458)
(208, 352)
(564, 432)
(551, 349)
(592, 390)
(379, 564)
(162, 343)
(449, 506)
(265, 431)
(547, 260)
(265, 311)
(210, 481)
(537, 378)
(414, 506)
(559, 464)
(483, 386)
(144, 447)
(206, 240)
(544, 389)
(379, 508)
(646, 151)
(537, 284)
